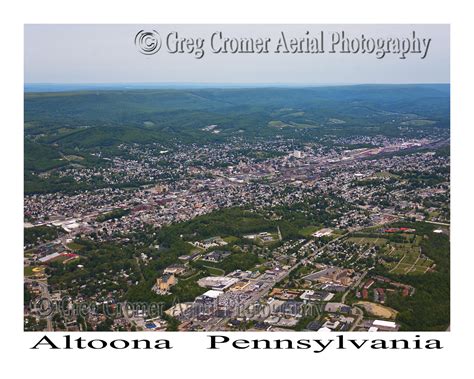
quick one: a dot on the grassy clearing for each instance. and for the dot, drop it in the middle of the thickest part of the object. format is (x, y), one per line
(418, 122)
(385, 174)
(296, 125)
(370, 241)
(214, 271)
(308, 230)
(405, 257)
(230, 239)
(75, 246)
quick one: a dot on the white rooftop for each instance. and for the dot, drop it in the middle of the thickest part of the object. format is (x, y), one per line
(324, 329)
(386, 324)
(213, 294)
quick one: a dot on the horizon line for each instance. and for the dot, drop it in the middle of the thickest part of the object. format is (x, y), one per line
(58, 86)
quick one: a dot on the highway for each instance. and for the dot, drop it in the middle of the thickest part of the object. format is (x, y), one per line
(269, 285)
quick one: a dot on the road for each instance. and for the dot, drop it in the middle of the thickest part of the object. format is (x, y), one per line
(269, 285)
(125, 313)
(354, 285)
(45, 295)
(438, 223)
(360, 315)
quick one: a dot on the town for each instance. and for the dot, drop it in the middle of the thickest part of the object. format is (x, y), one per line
(332, 234)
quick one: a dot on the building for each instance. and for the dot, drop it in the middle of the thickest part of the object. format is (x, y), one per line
(175, 269)
(386, 326)
(322, 233)
(368, 284)
(164, 283)
(298, 154)
(216, 256)
(218, 283)
(333, 275)
(212, 294)
(310, 295)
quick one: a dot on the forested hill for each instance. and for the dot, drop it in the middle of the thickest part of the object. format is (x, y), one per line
(70, 129)
(86, 118)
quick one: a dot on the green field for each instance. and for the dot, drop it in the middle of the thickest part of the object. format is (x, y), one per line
(410, 261)
(75, 246)
(298, 125)
(230, 239)
(385, 174)
(400, 257)
(308, 230)
(366, 240)
(214, 271)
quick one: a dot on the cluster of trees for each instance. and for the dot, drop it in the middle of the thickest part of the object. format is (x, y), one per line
(373, 182)
(418, 179)
(235, 261)
(115, 214)
(173, 239)
(41, 234)
(99, 262)
(226, 222)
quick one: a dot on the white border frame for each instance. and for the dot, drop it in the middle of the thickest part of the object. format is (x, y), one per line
(190, 357)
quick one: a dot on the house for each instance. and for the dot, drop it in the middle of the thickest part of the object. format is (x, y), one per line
(175, 269)
(216, 256)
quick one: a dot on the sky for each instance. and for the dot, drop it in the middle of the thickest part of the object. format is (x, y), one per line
(108, 54)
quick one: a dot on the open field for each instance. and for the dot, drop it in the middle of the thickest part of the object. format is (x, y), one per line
(308, 230)
(403, 257)
(418, 122)
(385, 174)
(215, 271)
(377, 309)
(410, 262)
(291, 124)
(75, 246)
(32, 271)
(369, 241)
(230, 239)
